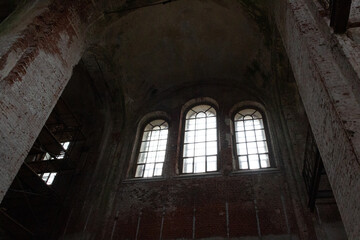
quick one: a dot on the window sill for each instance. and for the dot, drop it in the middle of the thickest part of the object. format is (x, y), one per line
(148, 179)
(255, 171)
(198, 175)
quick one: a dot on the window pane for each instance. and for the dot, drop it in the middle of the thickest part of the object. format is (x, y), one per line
(260, 135)
(139, 171)
(211, 163)
(243, 164)
(200, 149)
(158, 169)
(65, 146)
(251, 142)
(144, 146)
(190, 124)
(162, 145)
(211, 148)
(142, 157)
(200, 123)
(239, 126)
(61, 156)
(146, 136)
(200, 136)
(241, 148)
(264, 160)
(240, 137)
(211, 122)
(262, 147)
(160, 156)
(188, 165)
(238, 116)
(151, 157)
(189, 150)
(252, 148)
(249, 125)
(153, 145)
(45, 176)
(199, 164)
(152, 150)
(47, 156)
(189, 137)
(201, 115)
(204, 138)
(254, 161)
(51, 178)
(149, 170)
(164, 134)
(250, 136)
(211, 135)
(258, 124)
(155, 135)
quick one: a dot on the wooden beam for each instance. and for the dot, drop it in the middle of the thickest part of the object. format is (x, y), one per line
(33, 181)
(58, 165)
(49, 142)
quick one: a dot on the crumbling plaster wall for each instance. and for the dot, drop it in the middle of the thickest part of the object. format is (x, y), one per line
(40, 43)
(326, 68)
(267, 80)
(266, 195)
(30, 67)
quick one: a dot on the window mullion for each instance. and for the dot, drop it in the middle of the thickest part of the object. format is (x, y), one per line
(206, 118)
(146, 157)
(246, 144)
(147, 151)
(254, 137)
(256, 142)
(47, 179)
(156, 152)
(195, 136)
(237, 142)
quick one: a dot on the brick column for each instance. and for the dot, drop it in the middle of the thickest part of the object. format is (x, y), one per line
(329, 100)
(39, 45)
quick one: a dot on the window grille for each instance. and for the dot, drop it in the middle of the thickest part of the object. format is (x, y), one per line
(200, 140)
(152, 150)
(251, 144)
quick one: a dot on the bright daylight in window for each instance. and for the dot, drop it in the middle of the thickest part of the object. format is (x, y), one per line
(152, 150)
(200, 140)
(65, 146)
(251, 145)
(48, 177)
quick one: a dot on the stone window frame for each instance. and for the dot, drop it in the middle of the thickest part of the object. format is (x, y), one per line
(185, 109)
(144, 121)
(268, 133)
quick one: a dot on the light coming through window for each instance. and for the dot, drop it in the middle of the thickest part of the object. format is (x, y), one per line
(152, 150)
(200, 140)
(251, 145)
(48, 177)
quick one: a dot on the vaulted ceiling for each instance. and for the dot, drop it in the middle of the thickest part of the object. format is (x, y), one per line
(146, 48)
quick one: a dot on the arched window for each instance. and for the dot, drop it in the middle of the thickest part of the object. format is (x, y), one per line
(251, 145)
(152, 150)
(200, 140)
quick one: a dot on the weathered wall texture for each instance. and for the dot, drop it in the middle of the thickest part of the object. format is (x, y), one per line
(39, 45)
(259, 203)
(157, 59)
(330, 98)
(229, 203)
